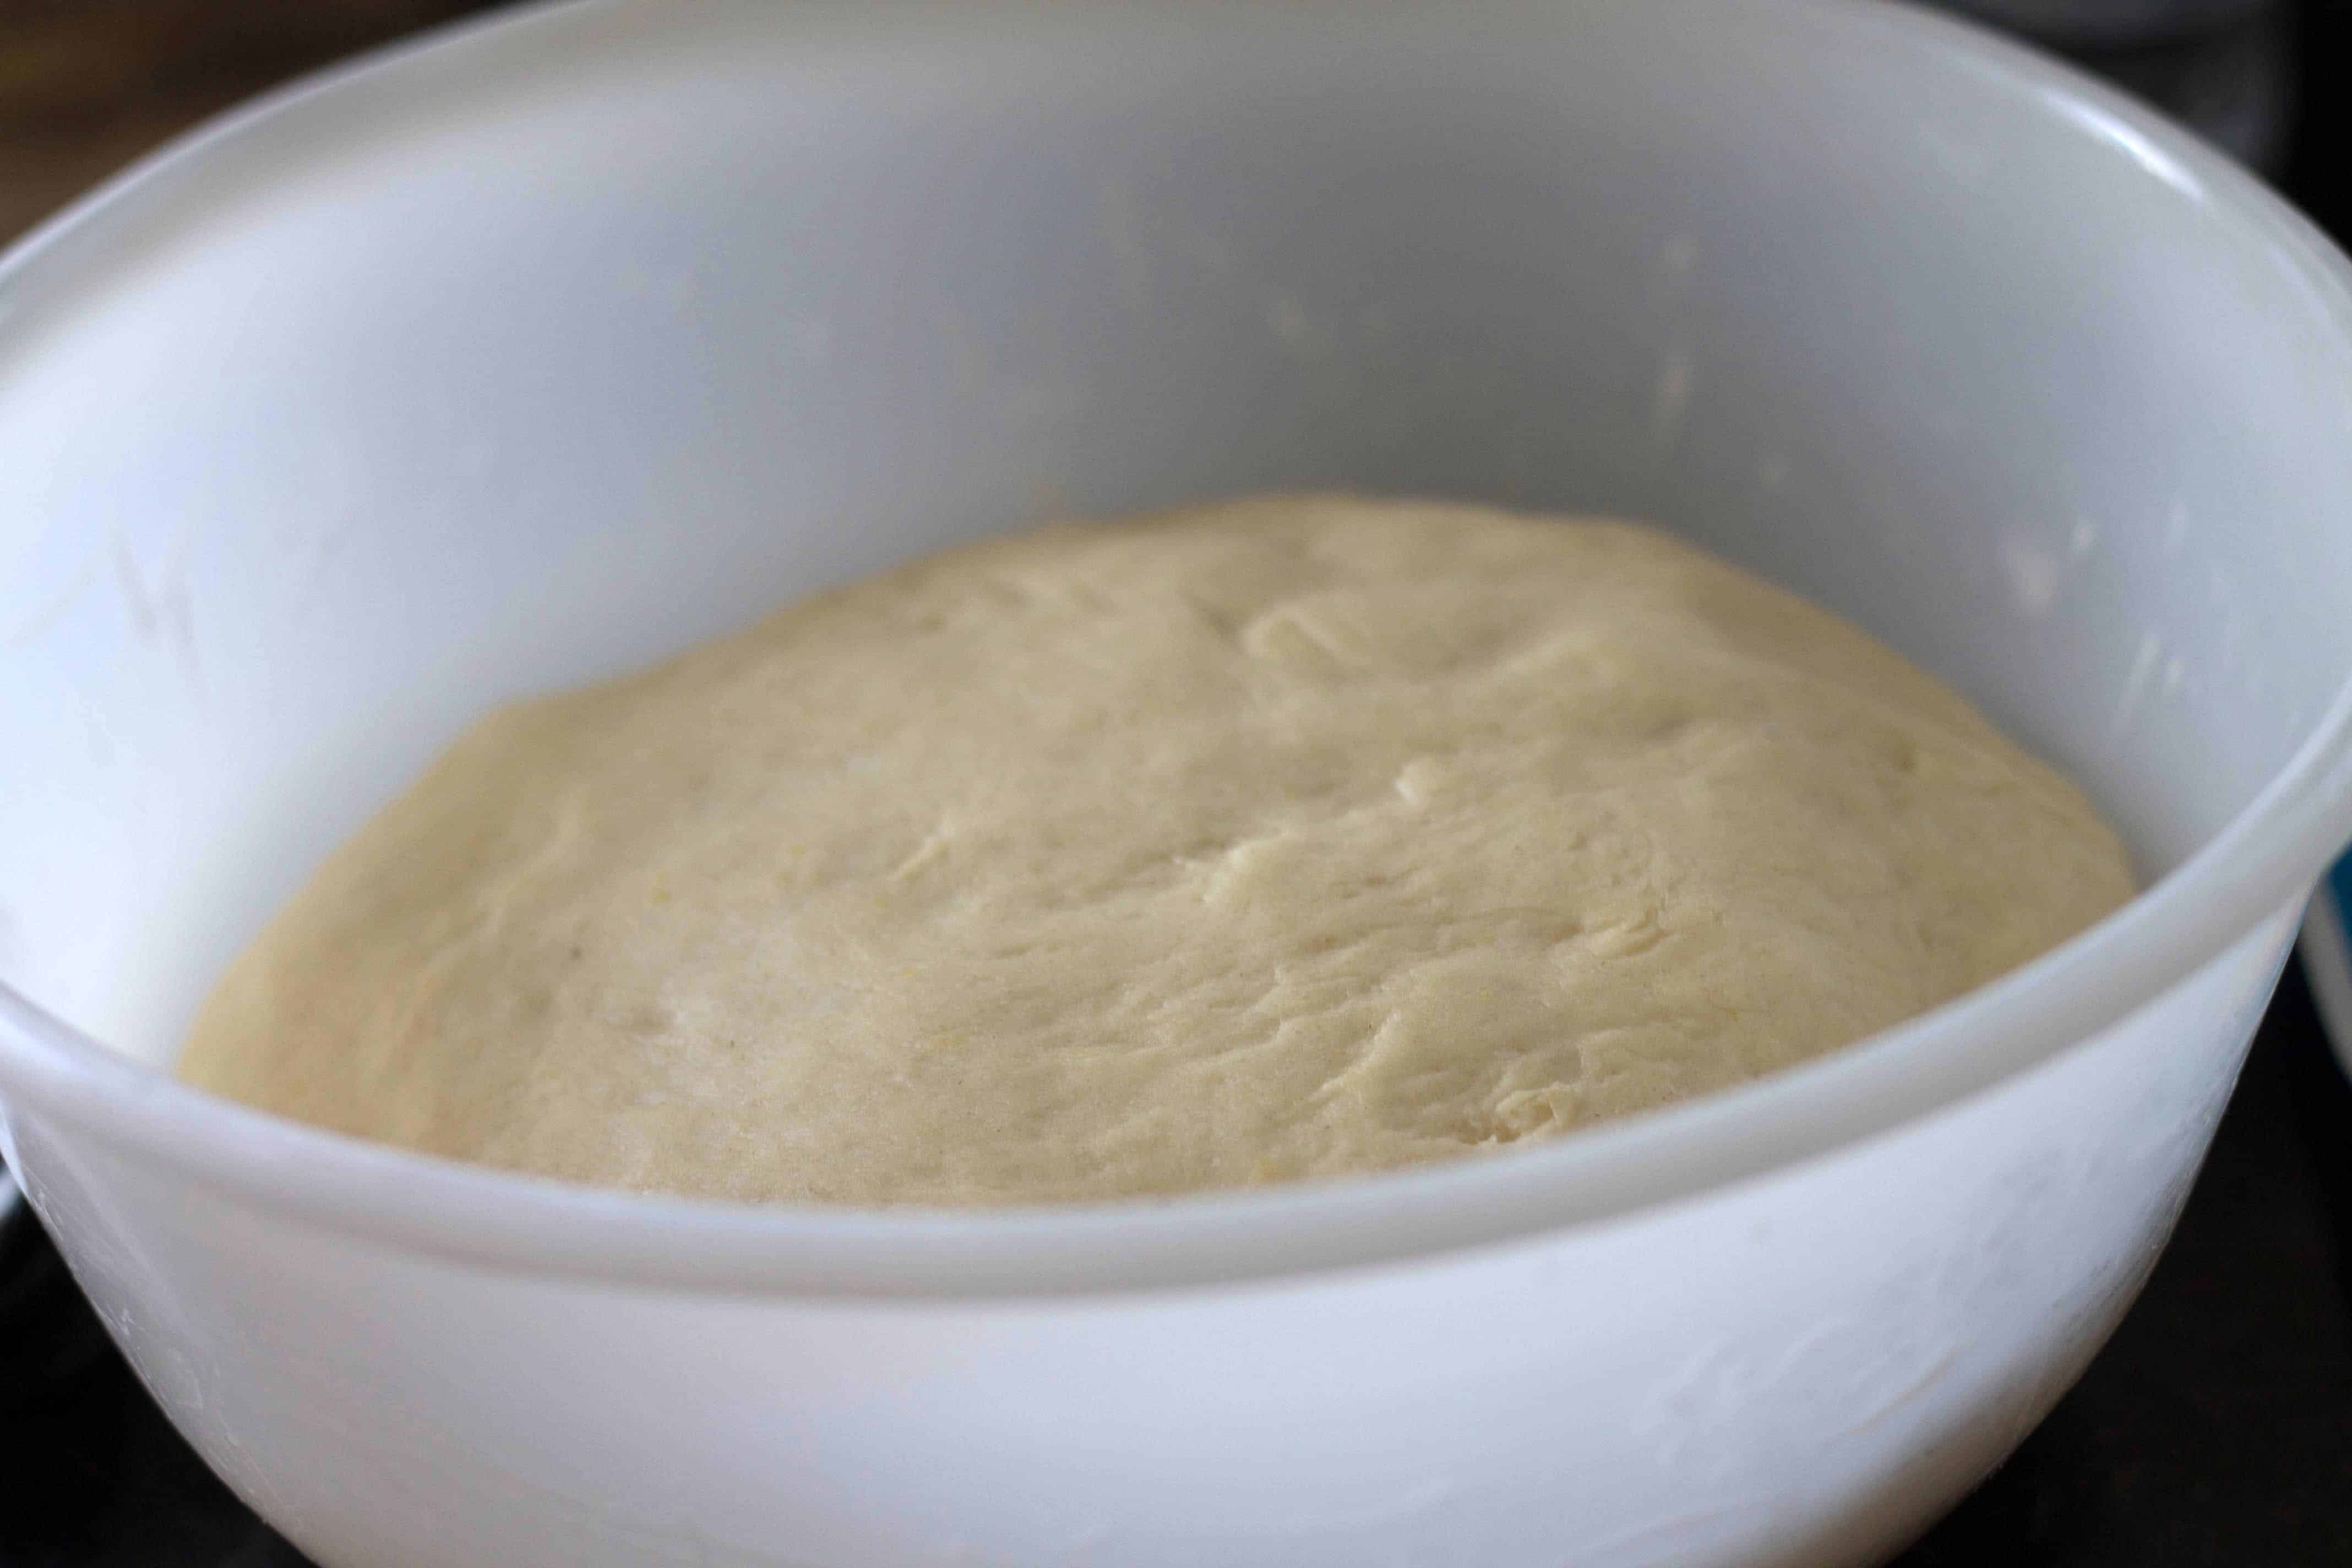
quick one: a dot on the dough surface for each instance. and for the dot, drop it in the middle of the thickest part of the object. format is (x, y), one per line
(1274, 839)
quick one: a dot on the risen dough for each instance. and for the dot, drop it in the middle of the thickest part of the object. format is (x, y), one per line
(1274, 839)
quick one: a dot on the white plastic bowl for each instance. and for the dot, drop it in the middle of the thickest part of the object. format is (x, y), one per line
(518, 357)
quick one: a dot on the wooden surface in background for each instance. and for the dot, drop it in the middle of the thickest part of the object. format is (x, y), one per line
(85, 86)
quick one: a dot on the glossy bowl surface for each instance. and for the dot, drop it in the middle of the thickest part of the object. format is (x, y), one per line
(526, 354)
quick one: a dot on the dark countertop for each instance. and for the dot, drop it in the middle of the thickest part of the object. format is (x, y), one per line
(2216, 1427)
(2215, 1431)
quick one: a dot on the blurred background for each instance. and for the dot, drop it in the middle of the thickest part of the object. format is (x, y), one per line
(88, 85)
(2215, 1430)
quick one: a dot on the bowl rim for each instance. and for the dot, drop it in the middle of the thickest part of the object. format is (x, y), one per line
(2260, 865)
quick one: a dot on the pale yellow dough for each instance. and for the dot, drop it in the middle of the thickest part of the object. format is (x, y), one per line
(1274, 839)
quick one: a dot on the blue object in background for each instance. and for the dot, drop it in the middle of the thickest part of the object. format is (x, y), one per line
(2328, 959)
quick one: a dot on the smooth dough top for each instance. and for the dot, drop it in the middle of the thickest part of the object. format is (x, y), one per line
(1274, 839)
